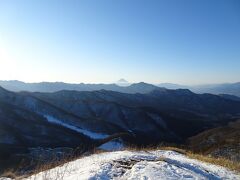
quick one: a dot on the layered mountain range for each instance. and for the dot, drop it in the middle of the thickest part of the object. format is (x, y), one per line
(225, 88)
(74, 119)
(120, 86)
(58, 86)
(160, 115)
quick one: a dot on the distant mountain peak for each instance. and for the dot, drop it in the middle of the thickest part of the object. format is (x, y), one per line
(122, 81)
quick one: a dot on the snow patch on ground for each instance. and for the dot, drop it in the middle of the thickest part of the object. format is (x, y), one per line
(112, 146)
(90, 134)
(137, 165)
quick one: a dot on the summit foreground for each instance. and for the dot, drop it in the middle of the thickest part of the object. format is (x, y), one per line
(159, 164)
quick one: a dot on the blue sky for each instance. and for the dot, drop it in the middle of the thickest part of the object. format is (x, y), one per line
(185, 42)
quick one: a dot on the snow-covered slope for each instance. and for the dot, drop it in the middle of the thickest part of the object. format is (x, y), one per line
(137, 165)
(90, 134)
(110, 146)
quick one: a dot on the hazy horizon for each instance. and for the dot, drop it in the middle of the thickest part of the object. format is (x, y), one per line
(116, 82)
(181, 42)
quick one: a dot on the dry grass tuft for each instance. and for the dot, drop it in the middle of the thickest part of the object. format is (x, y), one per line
(58, 174)
(176, 149)
(206, 158)
(202, 157)
(159, 147)
(217, 161)
(9, 174)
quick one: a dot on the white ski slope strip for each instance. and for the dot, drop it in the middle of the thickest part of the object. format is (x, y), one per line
(137, 165)
(90, 134)
(110, 146)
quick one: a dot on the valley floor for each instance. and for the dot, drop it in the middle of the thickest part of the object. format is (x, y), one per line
(159, 164)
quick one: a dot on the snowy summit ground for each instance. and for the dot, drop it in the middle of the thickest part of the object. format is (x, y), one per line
(158, 164)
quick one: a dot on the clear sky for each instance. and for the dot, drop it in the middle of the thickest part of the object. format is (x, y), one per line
(177, 41)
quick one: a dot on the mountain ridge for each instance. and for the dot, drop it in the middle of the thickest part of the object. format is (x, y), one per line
(58, 86)
(141, 87)
(72, 119)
